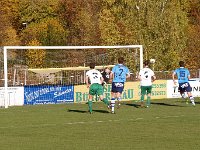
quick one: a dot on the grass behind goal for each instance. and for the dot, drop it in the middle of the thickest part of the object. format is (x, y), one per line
(168, 124)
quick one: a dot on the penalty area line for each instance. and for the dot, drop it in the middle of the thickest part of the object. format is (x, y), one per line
(85, 122)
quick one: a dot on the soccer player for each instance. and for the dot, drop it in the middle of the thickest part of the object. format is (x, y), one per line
(183, 76)
(94, 83)
(119, 74)
(106, 75)
(146, 77)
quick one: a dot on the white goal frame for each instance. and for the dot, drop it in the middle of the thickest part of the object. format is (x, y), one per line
(5, 48)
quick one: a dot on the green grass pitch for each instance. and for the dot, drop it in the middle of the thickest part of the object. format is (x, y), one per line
(168, 124)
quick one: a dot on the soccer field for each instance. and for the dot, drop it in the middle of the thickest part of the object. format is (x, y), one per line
(167, 125)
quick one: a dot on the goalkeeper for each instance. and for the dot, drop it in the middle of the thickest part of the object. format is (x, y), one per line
(95, 86)
(106, 75)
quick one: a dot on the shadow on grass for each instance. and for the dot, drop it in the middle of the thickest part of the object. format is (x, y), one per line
(100, 111)
(75, 110)
(134, 105)
(165, 104)
(83, 111)
(197, 102)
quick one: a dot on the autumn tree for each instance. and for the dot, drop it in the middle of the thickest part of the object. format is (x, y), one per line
(35, 58)
(80, 18)
(48, 32)
(9, 23)
(192, 53)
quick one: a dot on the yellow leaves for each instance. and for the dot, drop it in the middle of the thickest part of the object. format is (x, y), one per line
(35, 57)
(109, 2)
(48, 32)
(110, 34)
(10, 37)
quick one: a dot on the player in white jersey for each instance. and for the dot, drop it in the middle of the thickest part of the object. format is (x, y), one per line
(94, 81)
(146, 77)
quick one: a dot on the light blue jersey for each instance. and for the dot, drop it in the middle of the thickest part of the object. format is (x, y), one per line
(182, 74)
(120, 71)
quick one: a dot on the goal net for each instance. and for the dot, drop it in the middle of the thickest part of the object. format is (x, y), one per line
(57, 65)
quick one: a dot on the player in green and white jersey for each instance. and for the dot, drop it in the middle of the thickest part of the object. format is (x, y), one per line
(146, 77)
(94, 82)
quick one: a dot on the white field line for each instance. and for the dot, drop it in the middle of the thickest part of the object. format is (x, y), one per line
(86, 122)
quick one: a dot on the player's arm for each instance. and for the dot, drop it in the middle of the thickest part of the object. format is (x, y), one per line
(111, 75)
(139, 76)
(173, 77)
(189, 77)
(153, 78)
(128, 75)
(102, 80)
(87, 81)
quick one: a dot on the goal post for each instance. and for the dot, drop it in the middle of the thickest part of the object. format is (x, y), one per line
(17, 48)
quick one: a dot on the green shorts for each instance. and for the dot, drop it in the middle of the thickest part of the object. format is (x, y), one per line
(96, 89)
(146, 90)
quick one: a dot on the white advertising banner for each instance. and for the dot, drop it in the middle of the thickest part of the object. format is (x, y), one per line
(172, 90)
(15, 96)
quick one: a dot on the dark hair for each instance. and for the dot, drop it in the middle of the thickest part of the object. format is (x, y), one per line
(181, 63)
(106, 68)
(121, 60)
(146, 63)
(92, 65)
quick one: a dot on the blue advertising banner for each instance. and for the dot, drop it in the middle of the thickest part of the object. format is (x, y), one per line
(48, 94)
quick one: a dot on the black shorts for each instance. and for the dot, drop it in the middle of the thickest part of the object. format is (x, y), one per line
(184, 87)
(117, 87)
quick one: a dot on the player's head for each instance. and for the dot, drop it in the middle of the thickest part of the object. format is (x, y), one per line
(92, 65)
(121, 60)
(181, 64)
(146, 63)
(106, 69)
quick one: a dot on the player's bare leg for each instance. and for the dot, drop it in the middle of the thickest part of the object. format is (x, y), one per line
(118, 100)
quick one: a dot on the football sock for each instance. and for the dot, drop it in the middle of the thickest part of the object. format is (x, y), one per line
(183, 95)
(113, 104)
(142, 98)
(90, 105)
(105, 100)
(148, 100)
(192, 100)
(119, 100)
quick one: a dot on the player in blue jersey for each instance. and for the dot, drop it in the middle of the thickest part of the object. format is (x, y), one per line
(183, 76)
(119, 74)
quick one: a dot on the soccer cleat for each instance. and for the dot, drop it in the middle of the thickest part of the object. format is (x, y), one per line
(142, 104)
(112, 112)
(90, 112)
(193, 103)
(109, 108)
